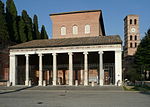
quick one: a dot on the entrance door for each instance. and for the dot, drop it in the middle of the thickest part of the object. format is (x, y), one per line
(109, 74)
(77, 76)
(106, 77)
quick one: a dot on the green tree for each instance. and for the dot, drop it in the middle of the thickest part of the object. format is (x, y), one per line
(28, 25)
(21, 26)
(11, 17)
(3, 25)
(132, 74)
(36, 32)
(43, 33)
(142, 56)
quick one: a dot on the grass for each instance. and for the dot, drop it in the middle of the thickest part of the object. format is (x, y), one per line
(137, 88)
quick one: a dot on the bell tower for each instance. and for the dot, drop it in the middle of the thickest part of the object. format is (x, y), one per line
(131, 34)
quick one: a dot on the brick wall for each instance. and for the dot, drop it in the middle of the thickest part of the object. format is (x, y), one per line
(94, 19)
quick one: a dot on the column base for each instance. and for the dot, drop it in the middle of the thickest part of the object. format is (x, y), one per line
(86, 84)
(13, 84)
(27, 83)
(54, 83)
(40, 83)
(8, 84)
(70, 83)
(118, 83)
(101, 83)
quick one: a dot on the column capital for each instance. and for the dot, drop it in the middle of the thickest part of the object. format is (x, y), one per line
(70, 53)
(40, 54)
(85, 52)
(100, 52)
(118, 51)
(27, 55)
(54, 54)
(12, 55)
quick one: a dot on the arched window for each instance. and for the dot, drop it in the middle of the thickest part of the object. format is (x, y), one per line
(87, 29)
(63, 30)
(135, 21)
(130, 45)
(130, 37)
(130, 21)
(75, 30)
(135, 38)
(135, 45)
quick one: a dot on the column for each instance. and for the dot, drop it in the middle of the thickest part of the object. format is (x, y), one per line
(48, 77)
(101, 70)
(54, 69)
(86, 81)
(70, 68)
(118, 67)
(27, 70)
(40, 70)
(13, 70)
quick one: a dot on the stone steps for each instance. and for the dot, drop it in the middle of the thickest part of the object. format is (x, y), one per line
(65, 88)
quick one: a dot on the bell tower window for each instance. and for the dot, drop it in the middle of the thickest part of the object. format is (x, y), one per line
(135, 38)
(135, 45)
(130, 21)
(130, 45)
(130, 37)
(135, 21)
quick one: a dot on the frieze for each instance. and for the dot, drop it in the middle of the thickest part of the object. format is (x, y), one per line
(67, 48)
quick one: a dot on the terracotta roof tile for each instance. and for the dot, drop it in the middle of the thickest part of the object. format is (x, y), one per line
(80, 41)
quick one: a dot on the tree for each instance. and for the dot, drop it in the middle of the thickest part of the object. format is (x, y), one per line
(132, 74)
(28, 25)
(3, 25)
(43, 33)
(142, 56)
(11, 15)
(36, 33)
(21, 26)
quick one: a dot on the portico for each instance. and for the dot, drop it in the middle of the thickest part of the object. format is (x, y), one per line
(71, 62)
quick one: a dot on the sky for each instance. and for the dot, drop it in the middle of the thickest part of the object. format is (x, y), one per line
(114, 11)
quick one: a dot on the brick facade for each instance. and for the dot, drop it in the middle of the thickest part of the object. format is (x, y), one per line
(79, 19)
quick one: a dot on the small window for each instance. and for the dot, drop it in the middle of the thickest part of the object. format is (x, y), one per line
(87, 29)
(135, 45)
(135, 21)
(130, 37)
(75, 30)
(130, 45)
(135, 38)
(63, 30)
(130, 21)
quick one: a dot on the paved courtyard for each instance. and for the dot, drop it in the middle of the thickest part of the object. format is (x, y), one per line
(75, 98)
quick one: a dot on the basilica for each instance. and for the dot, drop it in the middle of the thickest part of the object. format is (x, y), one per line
(79, 53)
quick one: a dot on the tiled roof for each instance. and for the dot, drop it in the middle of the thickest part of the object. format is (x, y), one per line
(80, 41)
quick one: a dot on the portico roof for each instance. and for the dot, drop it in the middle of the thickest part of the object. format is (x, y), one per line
(63, 42)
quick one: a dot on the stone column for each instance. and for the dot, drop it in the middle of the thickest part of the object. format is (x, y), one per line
(13, 70)
(54, 69)
(40, 70)
(101, 70)
(86, 81)
(27, 70)
(70, 68)
(48, 77)
(118, 68)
